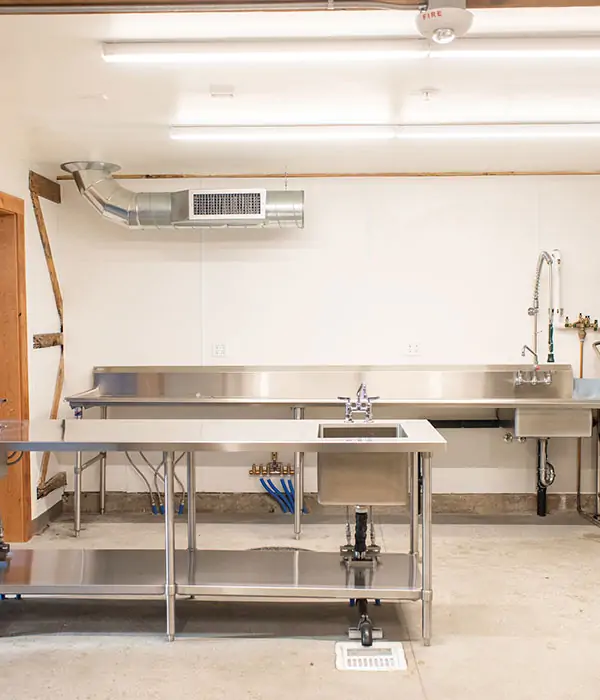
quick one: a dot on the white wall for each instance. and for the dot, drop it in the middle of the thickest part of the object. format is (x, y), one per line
(445, 262)
(41, 312)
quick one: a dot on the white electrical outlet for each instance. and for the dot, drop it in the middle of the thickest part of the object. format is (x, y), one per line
(219, 350)
(413, 349)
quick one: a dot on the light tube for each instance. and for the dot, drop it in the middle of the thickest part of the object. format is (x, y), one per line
(263, 51)
(279, 51)
(382, 132)
(345, 132)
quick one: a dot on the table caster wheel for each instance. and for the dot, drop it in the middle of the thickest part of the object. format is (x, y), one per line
(366, 632)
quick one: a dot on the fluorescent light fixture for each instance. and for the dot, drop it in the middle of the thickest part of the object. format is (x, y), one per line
(446, 132)
(345, 50)
(345, 132)
(383, 132)
(263, 51)
(571, 48)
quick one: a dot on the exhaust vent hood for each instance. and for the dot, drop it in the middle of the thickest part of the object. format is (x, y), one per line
(186, 208)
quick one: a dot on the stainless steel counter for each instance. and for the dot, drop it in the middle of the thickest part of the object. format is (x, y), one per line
(264, 575)
(435, 386)
(207, 436)
(450, 395)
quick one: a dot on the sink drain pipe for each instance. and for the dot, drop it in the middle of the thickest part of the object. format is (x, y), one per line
(545, 477)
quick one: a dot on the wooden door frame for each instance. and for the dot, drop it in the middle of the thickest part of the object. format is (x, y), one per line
(17, 514)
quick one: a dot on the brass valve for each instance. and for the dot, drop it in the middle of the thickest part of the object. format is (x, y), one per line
(272, 468)
(582, 325)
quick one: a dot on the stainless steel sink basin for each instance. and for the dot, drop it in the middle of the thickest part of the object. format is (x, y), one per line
(552, 423)
(362, 479)
(361, 430)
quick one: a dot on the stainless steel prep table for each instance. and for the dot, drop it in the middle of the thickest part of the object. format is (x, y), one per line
(477, 395)
(209, 574)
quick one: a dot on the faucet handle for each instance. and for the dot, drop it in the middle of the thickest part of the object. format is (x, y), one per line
(344, 398)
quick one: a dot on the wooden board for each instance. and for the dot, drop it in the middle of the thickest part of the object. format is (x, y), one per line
(42, 186)
(41, 224)
(15, 490)
(312, 176)
(47, 340)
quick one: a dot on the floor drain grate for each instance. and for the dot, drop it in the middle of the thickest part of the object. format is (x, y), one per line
(382, 656)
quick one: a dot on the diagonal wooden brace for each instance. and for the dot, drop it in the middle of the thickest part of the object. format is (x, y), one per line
(40, 186)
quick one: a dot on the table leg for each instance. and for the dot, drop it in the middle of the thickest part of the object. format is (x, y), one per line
(77, 493)
(596, 469)
(298, 481)
(169, 458)
(426, 585)
(104, 416)
(413, 481)
(191, 484)
(77, 471)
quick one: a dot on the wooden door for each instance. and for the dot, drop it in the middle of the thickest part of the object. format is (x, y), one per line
(15, 490)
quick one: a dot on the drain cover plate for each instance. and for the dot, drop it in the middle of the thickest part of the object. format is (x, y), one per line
(382, 656)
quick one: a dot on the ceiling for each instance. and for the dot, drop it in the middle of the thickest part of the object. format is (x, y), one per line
(73, 106)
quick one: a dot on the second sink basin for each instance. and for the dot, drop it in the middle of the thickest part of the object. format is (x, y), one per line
(362, 479)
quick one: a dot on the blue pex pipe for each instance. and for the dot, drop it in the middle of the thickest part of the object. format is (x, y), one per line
(289, 495)
(282, 496)
(275, 495)
(293, 492)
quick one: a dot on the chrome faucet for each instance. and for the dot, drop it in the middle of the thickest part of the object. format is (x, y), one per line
(362, 404)
(526, 349)
(532, 377)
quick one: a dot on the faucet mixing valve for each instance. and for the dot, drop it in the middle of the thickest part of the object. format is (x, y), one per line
(362, 405)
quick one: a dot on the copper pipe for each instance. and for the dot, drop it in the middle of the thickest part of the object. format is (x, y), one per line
(582, 335)
(69, 7)
(30, 7)
(592, 518)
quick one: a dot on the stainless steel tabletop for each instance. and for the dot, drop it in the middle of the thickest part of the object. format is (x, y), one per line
(208, 435)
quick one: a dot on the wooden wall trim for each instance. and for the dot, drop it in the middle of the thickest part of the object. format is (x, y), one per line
(12, 205)
(316, 176)
(16, 487)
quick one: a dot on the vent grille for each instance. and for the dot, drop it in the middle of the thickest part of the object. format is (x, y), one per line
(236, 204)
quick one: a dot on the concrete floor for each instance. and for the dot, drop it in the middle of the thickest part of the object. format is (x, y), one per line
(516, 615)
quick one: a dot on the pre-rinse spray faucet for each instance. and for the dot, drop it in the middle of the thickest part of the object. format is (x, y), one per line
(532, 377)
(362, 405)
